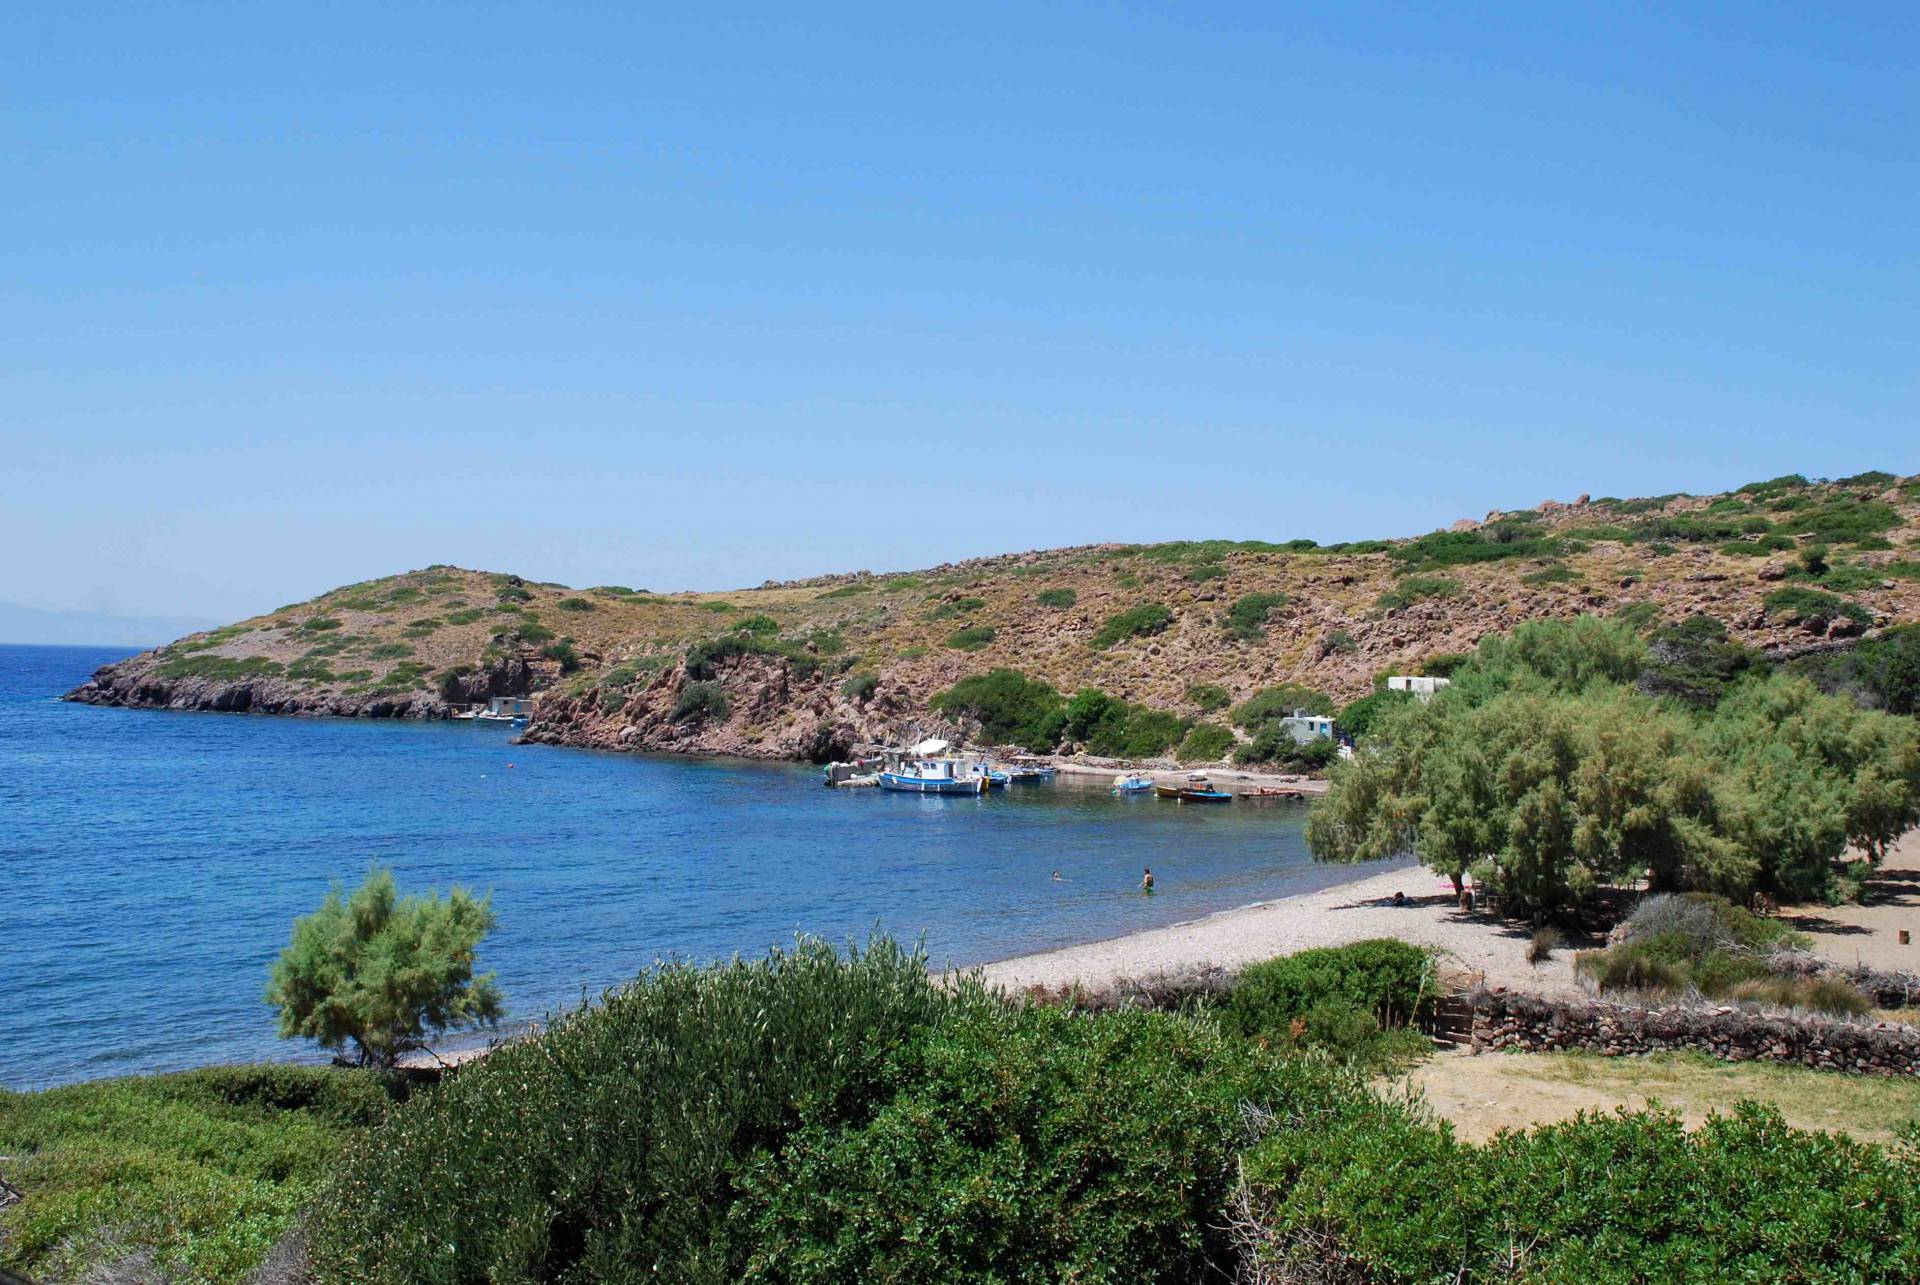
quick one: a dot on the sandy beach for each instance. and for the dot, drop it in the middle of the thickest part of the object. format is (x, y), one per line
(1476, 943)
(1495, 949)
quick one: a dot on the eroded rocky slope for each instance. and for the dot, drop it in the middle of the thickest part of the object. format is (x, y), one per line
(812, 668)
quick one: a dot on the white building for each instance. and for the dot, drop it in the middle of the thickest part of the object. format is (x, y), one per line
(1307, 727)
(1421, 688)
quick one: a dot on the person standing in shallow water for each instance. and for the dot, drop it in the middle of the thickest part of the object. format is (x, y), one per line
(1146, 881)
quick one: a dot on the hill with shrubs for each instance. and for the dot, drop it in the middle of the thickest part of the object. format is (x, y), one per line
(1185, 650)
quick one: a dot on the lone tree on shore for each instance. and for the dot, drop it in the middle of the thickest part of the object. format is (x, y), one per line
(382, 971)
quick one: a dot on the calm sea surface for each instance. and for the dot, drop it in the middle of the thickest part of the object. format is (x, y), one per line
(154, 863)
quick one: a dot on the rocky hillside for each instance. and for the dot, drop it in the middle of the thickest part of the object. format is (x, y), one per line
(811, 668)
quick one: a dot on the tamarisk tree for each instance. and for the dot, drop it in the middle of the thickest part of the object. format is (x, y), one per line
(381, 972)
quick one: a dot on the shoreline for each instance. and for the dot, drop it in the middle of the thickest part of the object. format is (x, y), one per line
(1354, 910)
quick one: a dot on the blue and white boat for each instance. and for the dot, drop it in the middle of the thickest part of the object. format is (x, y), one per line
(932, 776)
(1133, 783)
(995, 778)
(1031, 772)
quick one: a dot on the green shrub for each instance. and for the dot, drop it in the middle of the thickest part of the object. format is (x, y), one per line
(1116, 728)
(1357, 719)
(1558, 574)
(1388, 979)
(1281, 701)
(1843, 520)
(759, 626)
(1878, 673)
(1058, 599)
(1494, 542)
(700, 702)
(206, 1169)
(1210, 697)
(616, 1143)
(225, 669)
(1419, 589)
(575, 604)
(1274, 746)
(464, 617)
(1814, 608)
(1206, 571)
(318, 624)
(1024, 1144)
(860, 687)
(956, 607)
(1010, 708)
(849, 590)
(1632, 1196)
(972, 638)
(389, 651)
(422, 627)
(1206, 743)
(1134, 622)
(1873, 480)
(563, 652)
(533, 633)
(1775, 486)
(1247, 617)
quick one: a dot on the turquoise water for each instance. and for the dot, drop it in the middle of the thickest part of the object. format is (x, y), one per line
(155, 861)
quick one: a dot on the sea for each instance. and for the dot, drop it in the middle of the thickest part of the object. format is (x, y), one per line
(152, 864)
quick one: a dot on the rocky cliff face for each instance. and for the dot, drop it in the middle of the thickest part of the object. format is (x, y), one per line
(807, 669)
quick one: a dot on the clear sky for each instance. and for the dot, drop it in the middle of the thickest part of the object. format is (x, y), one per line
(697, 295)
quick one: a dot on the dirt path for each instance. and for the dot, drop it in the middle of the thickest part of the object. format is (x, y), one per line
(1870, 933)
(1493, 1091)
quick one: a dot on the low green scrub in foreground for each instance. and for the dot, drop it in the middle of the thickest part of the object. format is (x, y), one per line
(205, 1169)
(811, 1117)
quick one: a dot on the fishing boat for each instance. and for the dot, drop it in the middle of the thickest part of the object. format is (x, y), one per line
(932, 776)
(1133, 783)
(1030, 772)
(1195, 789)
(926, 768)
(992, 778)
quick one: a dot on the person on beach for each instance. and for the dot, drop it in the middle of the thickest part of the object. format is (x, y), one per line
(1146, 881)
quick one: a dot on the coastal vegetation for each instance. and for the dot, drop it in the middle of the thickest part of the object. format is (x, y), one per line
(379, 972)
(1134, 622)
(1545, 773)
(196, 1175)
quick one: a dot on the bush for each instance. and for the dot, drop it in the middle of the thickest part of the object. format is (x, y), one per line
(1270, 703)
(700, 702)
(1357, 719)
(1631, 1196)
(382, 972)
(1210, 697)
(575, 604)
(1543, 943)
(1878, 673)
(1117, 728)
(1024, 1144)
(563, 652)
(860, 687)
(205, 1169)
(1135, 622)
(1206, 571)
(1009, 706)
(1277, 747)
(1494, 542)
(1206, 743)
(972, 638)
(1814, 608)
(615, 1143)
(956, 607)
(1247, 617)
(1388, 979)
(1059, 599)
(1419, 589)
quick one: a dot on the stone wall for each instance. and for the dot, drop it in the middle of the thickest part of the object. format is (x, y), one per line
(1510, 1020)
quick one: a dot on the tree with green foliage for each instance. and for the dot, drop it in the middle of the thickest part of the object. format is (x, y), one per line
(1009, 707)
(1546, 774)
(381, 972)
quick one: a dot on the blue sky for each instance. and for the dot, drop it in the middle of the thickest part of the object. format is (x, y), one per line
(691, 299)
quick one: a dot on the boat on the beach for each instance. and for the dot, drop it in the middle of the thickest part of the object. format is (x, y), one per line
(1268, 793)
(1133, 783)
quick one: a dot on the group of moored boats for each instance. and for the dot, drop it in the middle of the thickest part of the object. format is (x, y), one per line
(930, 768)
(1194, 788)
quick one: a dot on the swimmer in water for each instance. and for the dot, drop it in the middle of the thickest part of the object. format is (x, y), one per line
(1056, 876)
(1146, 880)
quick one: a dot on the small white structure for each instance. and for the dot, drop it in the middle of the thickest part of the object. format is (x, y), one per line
(1306, 727)
(1422, 689)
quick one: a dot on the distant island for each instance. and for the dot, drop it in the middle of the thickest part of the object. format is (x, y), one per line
(1180, 639)
(32, 626)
